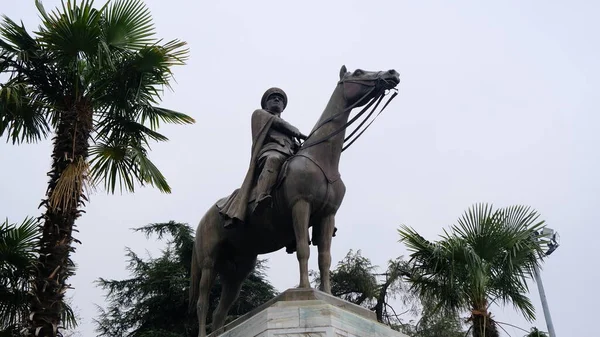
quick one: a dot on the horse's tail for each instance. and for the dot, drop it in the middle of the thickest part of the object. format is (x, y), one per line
(196, 273)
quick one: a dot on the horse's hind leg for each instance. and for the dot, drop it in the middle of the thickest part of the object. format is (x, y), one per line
(300, 217)
(327, 226)
(206, 282)
(230, 290)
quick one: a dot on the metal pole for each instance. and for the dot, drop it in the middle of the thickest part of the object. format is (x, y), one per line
(540, 286)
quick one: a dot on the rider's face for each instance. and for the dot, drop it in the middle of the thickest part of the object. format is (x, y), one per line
(275, 103)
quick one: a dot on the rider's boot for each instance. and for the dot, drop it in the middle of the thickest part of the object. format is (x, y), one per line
(266, 180)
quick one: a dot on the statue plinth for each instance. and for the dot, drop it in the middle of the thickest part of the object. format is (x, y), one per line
(304, 313)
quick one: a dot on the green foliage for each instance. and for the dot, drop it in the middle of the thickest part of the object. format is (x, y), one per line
(355, 279)
(17, 258)
(486, 258)
(433, 324)
(92, 77)
(154, 301)
(536, 333)
(18, 254)
(106, 61)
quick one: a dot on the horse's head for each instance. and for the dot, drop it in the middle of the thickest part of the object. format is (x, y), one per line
(360, 86)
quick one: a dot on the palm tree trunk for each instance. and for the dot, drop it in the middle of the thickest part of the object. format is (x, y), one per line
(483, 324)
(64, 196)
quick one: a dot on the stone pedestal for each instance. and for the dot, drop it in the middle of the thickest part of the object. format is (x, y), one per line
(307, 313)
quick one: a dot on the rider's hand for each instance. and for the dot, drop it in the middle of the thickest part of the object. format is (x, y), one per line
(296, 133)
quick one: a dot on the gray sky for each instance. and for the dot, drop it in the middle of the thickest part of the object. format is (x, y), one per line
(496, 105)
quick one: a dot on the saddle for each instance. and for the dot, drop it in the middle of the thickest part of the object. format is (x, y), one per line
(291, 247)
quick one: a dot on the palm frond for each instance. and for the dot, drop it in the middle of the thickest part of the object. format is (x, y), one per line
(155, 115)
(523, 244)
(12, 309)
(442, 292)
(148, 172)
(137, 76)
(515, 292)
(15, 40)
(524, 228)
(435, 256)
(121, 127)
(111, 164)
(479, 227)
(67, 316)
(435, 275)
(25, 61)
(18, 243)
(489, 255)
(154, 64)
(23, 109)
(415, 242)
(128, 25)
(71, 38)
(18, 247)
(72, 31)
(123, 164)
(22, 113)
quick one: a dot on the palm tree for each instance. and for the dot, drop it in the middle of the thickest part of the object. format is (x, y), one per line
(534, 332)
(93, 77)
(17, 259)
(18, 247)
(486, 259)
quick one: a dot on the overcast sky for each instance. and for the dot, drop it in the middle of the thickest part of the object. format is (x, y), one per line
(498, 103)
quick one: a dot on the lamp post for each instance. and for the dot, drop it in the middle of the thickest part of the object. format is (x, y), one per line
(552, 245)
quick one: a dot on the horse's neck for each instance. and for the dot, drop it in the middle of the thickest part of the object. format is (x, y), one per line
(327, 154)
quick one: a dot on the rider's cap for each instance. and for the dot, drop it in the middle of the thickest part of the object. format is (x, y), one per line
(271, 91)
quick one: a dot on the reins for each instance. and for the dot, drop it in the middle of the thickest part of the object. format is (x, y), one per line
(378, 98)
(363, 122)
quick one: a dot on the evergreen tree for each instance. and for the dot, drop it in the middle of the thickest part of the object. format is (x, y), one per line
(434, 324)
(154, 301)
(355, 279)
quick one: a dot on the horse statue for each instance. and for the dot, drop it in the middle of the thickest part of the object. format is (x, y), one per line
(308, 194)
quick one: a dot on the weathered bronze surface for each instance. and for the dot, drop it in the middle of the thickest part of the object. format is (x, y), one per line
(272, 143)
(307, 192)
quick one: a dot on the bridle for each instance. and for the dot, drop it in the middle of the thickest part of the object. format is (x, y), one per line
(377, 97)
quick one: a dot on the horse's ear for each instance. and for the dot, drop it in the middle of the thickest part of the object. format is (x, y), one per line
(343, 71)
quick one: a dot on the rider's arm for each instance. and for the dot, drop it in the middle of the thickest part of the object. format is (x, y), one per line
(287, 128)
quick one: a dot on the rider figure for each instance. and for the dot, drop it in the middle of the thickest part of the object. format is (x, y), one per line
(277, 147)
(272, 143)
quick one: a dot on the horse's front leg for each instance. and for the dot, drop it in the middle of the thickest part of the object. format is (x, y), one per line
(327, 226)
(300, 217)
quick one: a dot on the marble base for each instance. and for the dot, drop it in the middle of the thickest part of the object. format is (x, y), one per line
(307, 313)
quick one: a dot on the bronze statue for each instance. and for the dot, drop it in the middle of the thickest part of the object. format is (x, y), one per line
(272, 143)
(307, 193)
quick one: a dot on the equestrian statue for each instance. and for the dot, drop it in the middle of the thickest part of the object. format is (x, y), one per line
(289, 187)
